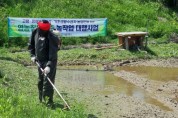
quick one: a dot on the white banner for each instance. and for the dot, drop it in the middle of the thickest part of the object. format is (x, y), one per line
(22, 27)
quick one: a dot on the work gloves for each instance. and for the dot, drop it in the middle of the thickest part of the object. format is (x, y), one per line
(33, 59)
(46, 70)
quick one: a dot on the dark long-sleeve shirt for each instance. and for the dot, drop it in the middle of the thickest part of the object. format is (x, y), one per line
(44, 48)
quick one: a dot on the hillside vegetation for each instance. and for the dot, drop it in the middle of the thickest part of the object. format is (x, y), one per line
(18, 83)
(123, 15)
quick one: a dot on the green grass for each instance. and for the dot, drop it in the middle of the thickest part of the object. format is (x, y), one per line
(19, 95)
(92, 56)
(165, 50)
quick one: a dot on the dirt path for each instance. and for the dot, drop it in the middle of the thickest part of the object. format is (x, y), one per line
(172, 62)
(122, 106)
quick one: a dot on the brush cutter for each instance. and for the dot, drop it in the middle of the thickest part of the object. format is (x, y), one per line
(53, 85)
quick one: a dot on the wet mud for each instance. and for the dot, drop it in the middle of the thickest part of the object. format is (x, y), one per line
(125, 92)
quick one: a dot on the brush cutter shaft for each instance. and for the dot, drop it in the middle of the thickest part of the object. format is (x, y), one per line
(53, 85)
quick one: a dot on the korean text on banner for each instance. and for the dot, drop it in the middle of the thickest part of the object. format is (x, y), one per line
(22, 27)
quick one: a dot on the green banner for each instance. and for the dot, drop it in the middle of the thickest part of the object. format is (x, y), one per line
(22, 27)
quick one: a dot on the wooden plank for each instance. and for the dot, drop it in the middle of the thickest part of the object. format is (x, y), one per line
(124, 34)
(126, 43)
(106, 47)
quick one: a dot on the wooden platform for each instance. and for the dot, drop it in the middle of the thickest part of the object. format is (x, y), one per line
(130, 39)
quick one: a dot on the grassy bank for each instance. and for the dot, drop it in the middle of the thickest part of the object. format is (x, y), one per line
(19, 95)
(93, 56)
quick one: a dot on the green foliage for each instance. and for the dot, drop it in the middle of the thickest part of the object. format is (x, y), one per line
(123, 15)
(78, 41)
(85, 56)
(19, 98)
(20, 42)
(165, 50)
(169, 3)
(18, 106)
(3, 26)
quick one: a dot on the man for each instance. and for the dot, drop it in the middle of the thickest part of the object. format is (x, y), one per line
(43, 46)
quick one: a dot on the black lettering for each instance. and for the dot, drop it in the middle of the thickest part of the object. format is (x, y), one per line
(33, 26)
(20, 26)
(21, 30)
(26, 30)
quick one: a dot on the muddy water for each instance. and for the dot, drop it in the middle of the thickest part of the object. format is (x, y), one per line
(105, 83)
(155, 73)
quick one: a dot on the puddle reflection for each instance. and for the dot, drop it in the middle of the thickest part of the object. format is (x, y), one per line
(105, 83)
(154, 73)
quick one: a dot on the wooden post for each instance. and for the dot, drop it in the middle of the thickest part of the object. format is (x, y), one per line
(126, 43)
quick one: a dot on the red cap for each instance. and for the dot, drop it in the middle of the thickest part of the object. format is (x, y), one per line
(44, 26)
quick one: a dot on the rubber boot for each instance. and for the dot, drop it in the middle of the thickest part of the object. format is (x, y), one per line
(40, 96)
